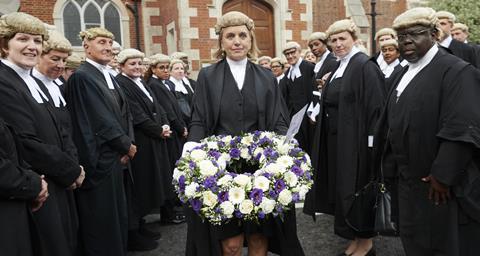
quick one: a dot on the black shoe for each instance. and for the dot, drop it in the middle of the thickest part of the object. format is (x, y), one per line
(137, 242)
(155, 235)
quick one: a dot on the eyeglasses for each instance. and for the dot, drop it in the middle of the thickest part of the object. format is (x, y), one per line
(162, 67)
(411, 34)
(290, 53)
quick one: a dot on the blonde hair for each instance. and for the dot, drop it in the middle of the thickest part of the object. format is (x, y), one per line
(231, 19)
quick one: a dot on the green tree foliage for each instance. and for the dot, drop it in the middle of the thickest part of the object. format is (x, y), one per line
(466, 11)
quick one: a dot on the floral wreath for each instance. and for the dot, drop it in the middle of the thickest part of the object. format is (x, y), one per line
(244, 177)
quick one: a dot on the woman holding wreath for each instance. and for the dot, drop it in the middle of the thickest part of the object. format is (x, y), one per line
(235, 96)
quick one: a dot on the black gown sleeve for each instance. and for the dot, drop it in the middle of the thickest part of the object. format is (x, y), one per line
(45, 158)
(16, 182)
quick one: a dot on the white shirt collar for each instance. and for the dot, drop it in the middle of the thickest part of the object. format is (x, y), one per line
(387, 71)
(238, 69)
(32, 85)
(105, 71)
(179, 86)
(280, 77)
(446, 42)
(425, 59)
(138, 82)
(96, 64)
(319, 64)
(344, 63)
(294, 71)
(53, 89)
(415, 68)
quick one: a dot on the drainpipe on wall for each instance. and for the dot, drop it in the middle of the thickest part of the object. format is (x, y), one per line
(134, 11)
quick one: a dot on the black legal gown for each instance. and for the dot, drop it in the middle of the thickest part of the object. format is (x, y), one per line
(44, 148)
(432, 110)
(297, 94)
(168, 101)
(64, 122)
(220, 108)
(102, 132)
(341, 157)
(151, 167)
(19, 186)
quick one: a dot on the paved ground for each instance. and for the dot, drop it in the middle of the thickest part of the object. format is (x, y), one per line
(317, 239)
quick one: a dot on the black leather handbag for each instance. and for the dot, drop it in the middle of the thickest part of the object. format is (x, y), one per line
(371, 208)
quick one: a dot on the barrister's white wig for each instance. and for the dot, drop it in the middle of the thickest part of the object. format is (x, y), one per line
(130, 53)
(446, 15)
(384, 32)
(291, 45)
(460, 26)
(57, 42)
(19, 22)
(317, 36)
(389, 42)
(424, 16)
(159, 58)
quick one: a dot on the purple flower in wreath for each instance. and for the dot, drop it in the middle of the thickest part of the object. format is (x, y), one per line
(257, 133)
(196, 205)
(235, 153)
(297, 162)
(181, 182)
(297, 170)
(267, 175)
(223, 196)
(238, 214)
(209, 182)
(279, 186)
(192, 165)
(256, 195)
(294, 151)
(261, 215)
(265, 141)
(221, 144)
(215, 154)
(295, 197)
(279, 208)
(272, 194)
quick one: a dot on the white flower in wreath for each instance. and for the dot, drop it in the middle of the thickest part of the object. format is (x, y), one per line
(247, 140)
(245, 154)
(198, 155)
(268, 135)
(212, 145)
(246, 206)
(227, 139)
(303, 191)
(191, 189)
(261, 182)
(209, 198)
(304, 167)
(236, 195)
(177, 173)
(267, 205)
(273, 168)
(227, 208)
(285, 197)
(207, 168)
(242, 180)
(223, 160)
(285, 161)
(223, 181)
(308, 158)
(258, 151)
(290, 178)
(283, 148)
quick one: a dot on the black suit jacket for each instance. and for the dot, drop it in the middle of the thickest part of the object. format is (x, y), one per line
(272, 114)
(464, 52)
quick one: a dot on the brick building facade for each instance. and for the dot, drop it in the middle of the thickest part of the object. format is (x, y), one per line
(187, 25)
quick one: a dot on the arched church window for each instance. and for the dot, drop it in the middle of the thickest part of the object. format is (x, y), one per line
(79, 15)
